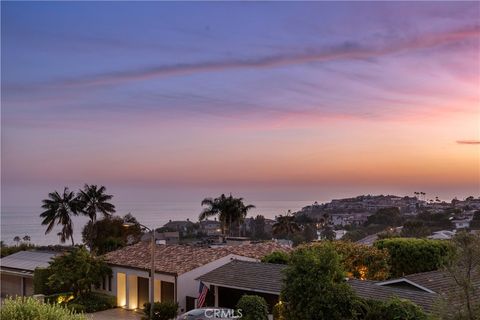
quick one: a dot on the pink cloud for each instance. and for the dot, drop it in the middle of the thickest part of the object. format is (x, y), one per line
(345, 51)
(474, 142)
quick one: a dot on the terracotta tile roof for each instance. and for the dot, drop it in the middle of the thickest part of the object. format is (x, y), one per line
(178, 259)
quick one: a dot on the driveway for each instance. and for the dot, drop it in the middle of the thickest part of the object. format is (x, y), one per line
(115, 314)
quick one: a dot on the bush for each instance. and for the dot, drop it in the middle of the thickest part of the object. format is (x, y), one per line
(40, 281)
(253, 307)
(314, 286)
(409, 256)
(359, 261)
(277, 257)
(394, 308)
(402, 309)
(92, 302)
(32, 309)
(161, 310)
(84, 270)
(77, 307)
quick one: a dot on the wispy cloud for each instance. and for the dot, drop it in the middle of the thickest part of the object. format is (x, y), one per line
(344, 51)
(468, 141)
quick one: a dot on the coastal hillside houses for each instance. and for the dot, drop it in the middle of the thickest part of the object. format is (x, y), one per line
(176, 268)
(361, 207)
(236, 278)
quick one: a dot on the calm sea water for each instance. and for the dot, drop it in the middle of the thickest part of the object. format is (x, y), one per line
(24, 220)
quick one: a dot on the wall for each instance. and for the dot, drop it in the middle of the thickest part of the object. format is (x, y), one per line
(11, 285)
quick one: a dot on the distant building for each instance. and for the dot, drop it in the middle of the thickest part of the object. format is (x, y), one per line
(442, 235)
(170, 237)
(180, 226)
(461, 224)
(210, 227)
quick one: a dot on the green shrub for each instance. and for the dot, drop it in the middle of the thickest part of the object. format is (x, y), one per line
(401, 309)
(409, 255)
(277, 257)
(32, 309)
(161, 310)
(253, 307)
(40, 280)
(394, 309)
(78, 308)
(93, 302)
(314, 286)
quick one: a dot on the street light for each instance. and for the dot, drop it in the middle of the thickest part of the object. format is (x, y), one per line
(152, 263)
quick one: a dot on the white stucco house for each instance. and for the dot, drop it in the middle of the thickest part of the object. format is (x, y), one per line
(176, 268)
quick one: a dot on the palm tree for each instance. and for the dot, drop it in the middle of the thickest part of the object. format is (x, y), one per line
(229, 210)
(240, 212)
(16, 239)
(59, 209)
(26, 238)
(285, 224)
(93, 200)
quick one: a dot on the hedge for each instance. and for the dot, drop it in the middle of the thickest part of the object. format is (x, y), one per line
(253, 307)
(410, 255)
(40, 280)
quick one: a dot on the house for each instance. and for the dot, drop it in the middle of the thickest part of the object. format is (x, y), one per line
(442, 235)
(183, 227)
(168, 237)
(210, 227)
(236, 278)
(461, 223)
(16, 271)
(176, 268)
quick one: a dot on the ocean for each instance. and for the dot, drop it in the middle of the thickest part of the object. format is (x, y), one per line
(21, 220)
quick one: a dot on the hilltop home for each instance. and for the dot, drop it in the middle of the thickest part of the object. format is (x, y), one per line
(176, 268)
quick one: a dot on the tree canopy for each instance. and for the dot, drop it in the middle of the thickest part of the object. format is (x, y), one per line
(109, 234)
(315, 288)
(77, 270)
(230, 211)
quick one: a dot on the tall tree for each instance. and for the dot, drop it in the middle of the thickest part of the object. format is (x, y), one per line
(84, 271)
(109, 233)
(229, 210)
(285, 225)
(464, 269)
(59, 210)
(314, 286)
(94, 200)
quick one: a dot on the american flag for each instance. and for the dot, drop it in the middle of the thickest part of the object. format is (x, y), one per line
(202, 294)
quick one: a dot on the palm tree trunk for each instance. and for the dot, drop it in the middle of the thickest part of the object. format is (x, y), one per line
(73, 242)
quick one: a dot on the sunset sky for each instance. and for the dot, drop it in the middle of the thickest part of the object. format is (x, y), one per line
(275, 100)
